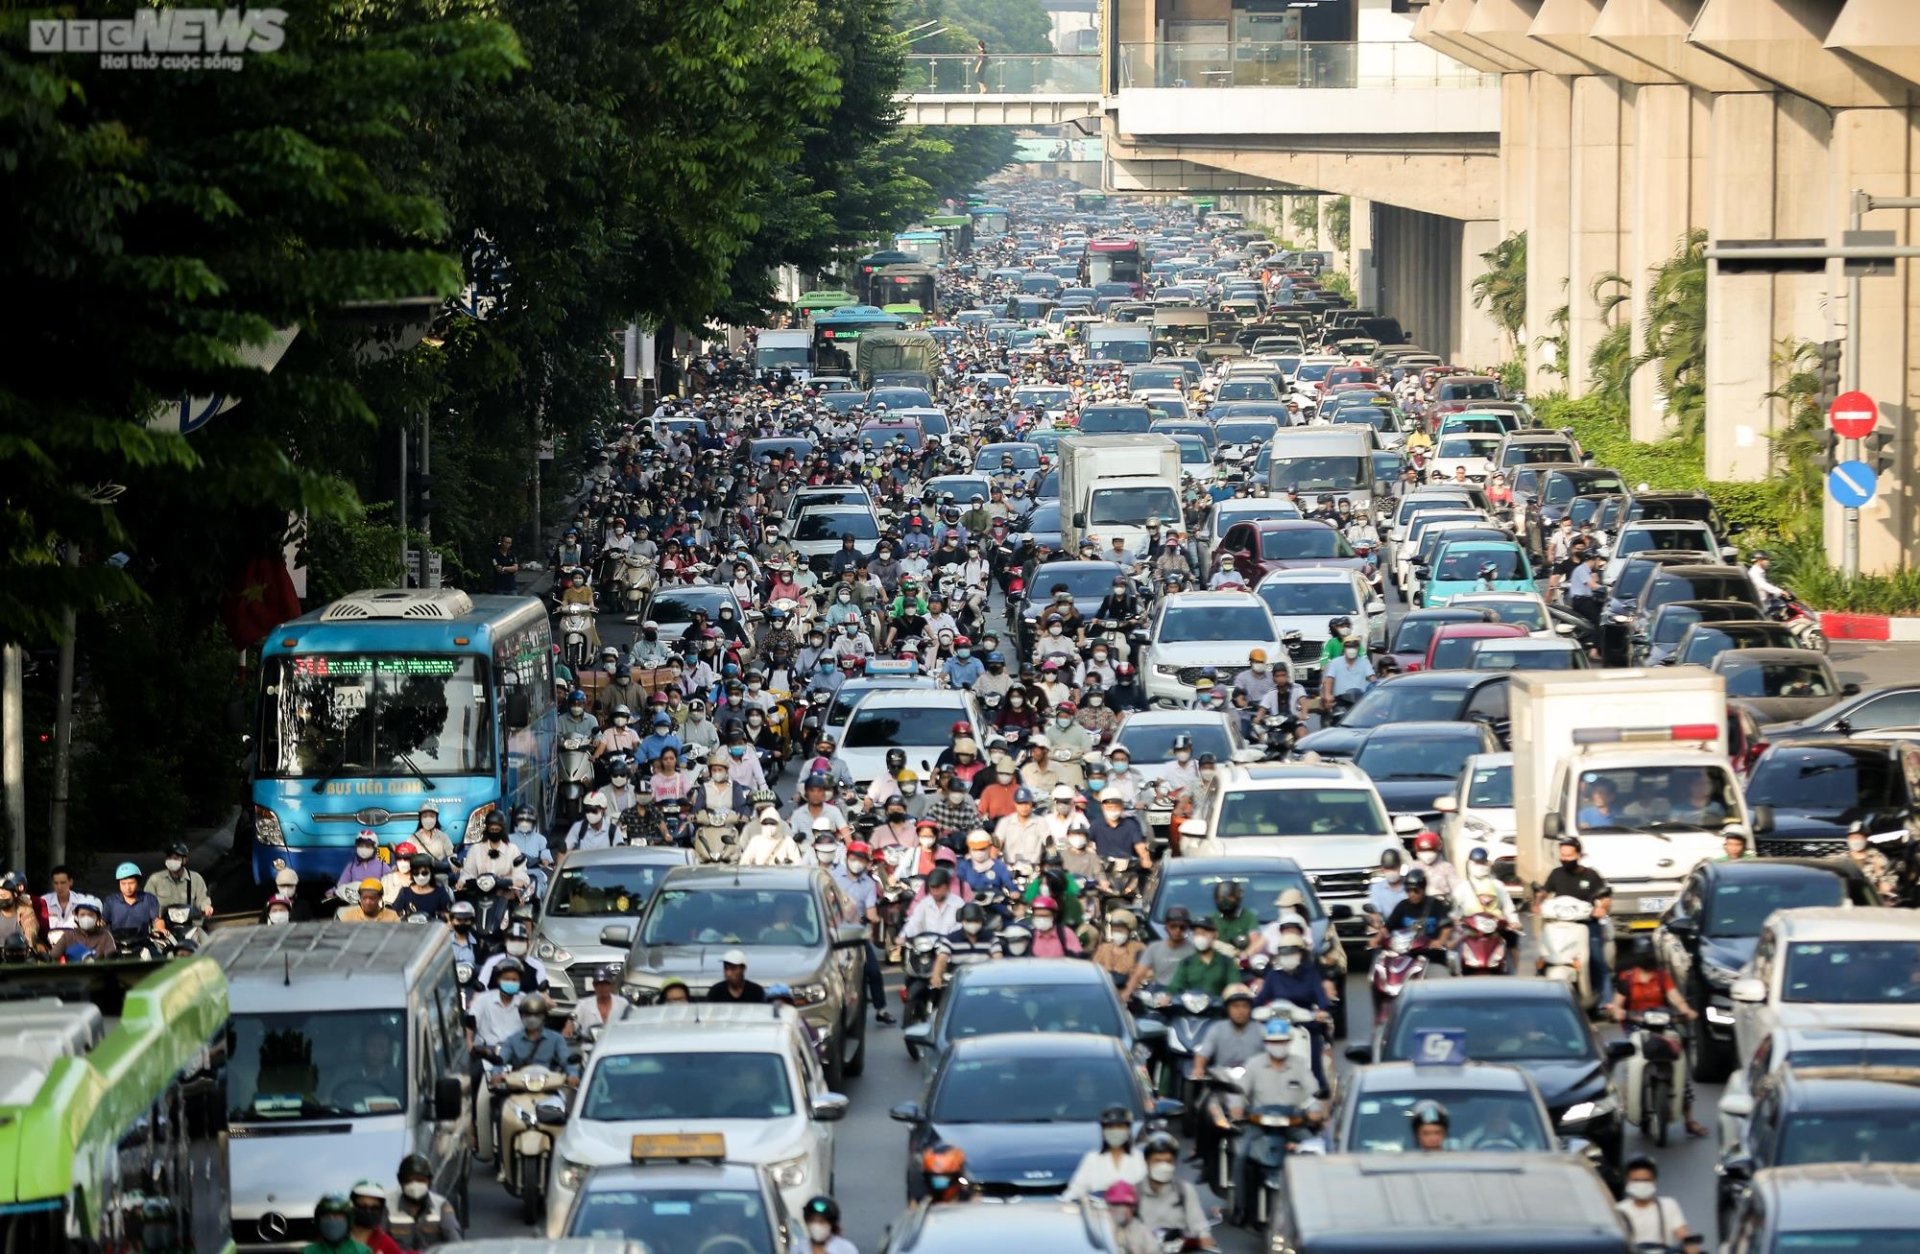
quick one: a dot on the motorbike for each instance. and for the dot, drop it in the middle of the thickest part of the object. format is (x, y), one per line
(634, 578)
(576, 773)
(716, 836)
(917, 991)
(1655, 1087)
(1801, 621)
(1563, 944)
(1400, 961)
(1190, 1017)
(576, 635)
(1266, 1135)
(1482, 949)
(533, 1108)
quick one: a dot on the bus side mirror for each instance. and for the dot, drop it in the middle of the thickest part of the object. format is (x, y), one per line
(517, 711)
(449, 1098)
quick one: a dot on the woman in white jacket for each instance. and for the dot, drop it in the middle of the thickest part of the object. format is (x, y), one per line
(770, 843)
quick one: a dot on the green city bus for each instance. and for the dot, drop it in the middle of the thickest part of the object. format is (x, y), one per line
(958, 228)
(113, 1114)
(808, 304)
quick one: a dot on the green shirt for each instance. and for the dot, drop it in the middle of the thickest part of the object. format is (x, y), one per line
(1234, 931)
(1210, 972)
(1331, 649)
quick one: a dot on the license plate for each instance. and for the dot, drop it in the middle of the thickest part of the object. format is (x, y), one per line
(1655, 905)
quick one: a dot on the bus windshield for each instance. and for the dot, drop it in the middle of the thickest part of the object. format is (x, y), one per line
(362, 715)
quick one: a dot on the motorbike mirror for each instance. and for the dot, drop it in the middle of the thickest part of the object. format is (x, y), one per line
(1149, 1031)
(1850, 690)
(1739, 1167)
(905, 1112)
(1360, 1053)
(550, 1116)
(449, 1098)
(1243, 757)
(1618, 1051)
(617, 936)
(1563, 629)
(830, 1107)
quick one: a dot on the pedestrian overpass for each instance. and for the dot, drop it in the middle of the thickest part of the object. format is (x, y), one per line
(952, 89)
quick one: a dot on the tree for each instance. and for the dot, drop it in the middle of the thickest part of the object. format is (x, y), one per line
(1501, 289)
(1676, 334)
(1340, 221)
(1610, 364)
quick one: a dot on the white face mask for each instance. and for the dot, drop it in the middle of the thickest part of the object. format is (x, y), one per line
(820, 1231)
(1857, 843)
(175, 865)
(1202, 941)
(1119, 935)
(1043, 923)
(1642, 1190)
(278, 916)
(414, 1189)
(1076, 841)
(1055, 629)
(1114, 1137)
(971, 929)
(1160, 1172)
(1480, 870)
(1279, 1049)
(1289, 962)
(517, 948)
(428, 822)
(1427, 856)
(928, 842)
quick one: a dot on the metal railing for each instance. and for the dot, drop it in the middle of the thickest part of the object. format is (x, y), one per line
(1380, 64)
(959, 74)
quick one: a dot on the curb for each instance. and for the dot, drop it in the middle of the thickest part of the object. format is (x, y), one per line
(1877, 627)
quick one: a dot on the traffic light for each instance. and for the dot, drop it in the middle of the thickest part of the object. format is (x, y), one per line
(1829, 369)
(1878, 451)
(1831, 440)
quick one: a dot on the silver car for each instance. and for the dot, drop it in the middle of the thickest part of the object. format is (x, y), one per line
(591, 889)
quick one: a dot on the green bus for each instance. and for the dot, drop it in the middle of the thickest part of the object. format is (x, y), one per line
(958, 228)
(113, 1111)
(809, 304)
(926, 247)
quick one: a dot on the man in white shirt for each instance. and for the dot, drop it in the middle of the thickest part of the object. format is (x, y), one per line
(1757, 572)
(938, 912)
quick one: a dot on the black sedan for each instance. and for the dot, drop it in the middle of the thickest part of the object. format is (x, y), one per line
(1411, 764)
(1709, 932)
(1024, 1109)
(1032, 995)
(1703, 640)
(1824, 1117)
(1838, 1206)
(1807, 793)
(1425, 696)
(1535, 1025)
(1489, 1107)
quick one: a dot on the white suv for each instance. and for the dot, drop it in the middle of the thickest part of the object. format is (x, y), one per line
(1829, 967)
(1197, 631)
(748, 1073)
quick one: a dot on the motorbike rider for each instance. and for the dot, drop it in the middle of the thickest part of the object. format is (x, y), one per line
(1235, 1041)
(516, 945)
(333, 1228)
(815, 806)
(853, 875)
(1233, 923)
(1277, 1079)
(698, 729)
(1050, 939)
(1879, 869)
(594, 829)
(1572, 878)
(1257, 680)
(966, 944)
(649, 651)
(1346, 676)
(1481, 890)
(421, 894)
(429, 837)
(1206, 969)
(175, 885)
(622, 686)
(1167, 1203)
(1118, 952)
(88, 933)
(1294, 979)
(1117, 834)
(1643, 985)
(938, 911)
(770, 842)
(535, 1045)
(372, 907)
(660, 740)
(618, 738)
(606, 1004)
(132, 911)
(1768, 590)
(365, 864)
(368, 1199)
(943, 1175)
(1653, 1221)
(1022, 836)
(1442, 879)
(1427, 914)
(1116, 1159)
(719, 806)
(983, 870)
(417, 1217)
(822, 1218)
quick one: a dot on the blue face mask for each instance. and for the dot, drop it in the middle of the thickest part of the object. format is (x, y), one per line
(737, 751)
(509, 987)
(333, 1228)
(966, 653)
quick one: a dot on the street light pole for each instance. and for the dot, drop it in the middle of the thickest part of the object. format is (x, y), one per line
(1858, 203)
(63, 722)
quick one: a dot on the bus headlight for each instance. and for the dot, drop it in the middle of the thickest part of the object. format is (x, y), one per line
(477, 821)
(266, 828)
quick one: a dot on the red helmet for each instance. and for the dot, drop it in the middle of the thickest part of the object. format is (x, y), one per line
(860, 847)
(962, 642)
(405, 849)
(1426, 840)
(961, 728)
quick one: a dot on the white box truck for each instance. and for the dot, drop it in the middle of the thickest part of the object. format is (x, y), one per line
(1634, 763)
(774, 348)
(1110, 485)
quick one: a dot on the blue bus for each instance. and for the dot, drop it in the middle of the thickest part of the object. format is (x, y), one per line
(837, 332)
(391, 697)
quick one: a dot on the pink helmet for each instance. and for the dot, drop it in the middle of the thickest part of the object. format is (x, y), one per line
(1120, 1193)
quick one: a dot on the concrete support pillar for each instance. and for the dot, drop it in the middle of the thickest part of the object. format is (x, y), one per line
(1596, 170)
(1878, 151)
(1739, 356)
(1660, 213)
(1360, 254)
(1322, 232)
(1550, 218)
(1516, 187)
(1476, 341)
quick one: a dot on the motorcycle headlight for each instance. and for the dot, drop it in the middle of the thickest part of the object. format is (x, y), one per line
(809, 994)
(789, 1173)
(572, 1173)
(1193, 1002)
(1581, 1112)
(477, 821)
(266, 828)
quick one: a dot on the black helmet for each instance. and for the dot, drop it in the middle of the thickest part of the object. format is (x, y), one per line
(1415, 878)
(824, 1207)
(1391, 858)
(1116, 1117)
(415, 1167)
(896, 761)
(1428, 1113)
(972, 913)
(1225, 891)
(332, 1204)
(1160, 1141)
(1335, 624)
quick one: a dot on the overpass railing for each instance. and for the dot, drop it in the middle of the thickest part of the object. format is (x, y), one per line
(958, 74)
(1373, 64)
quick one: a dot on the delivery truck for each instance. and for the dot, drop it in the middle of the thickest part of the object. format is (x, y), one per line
(774, 348)
(1110, 485)
(1633, 763)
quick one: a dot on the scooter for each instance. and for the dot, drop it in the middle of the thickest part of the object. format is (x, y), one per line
(532, 1112)
(716, 837)
(1801, 621)
(1563, 944)
(1402, 960)
(918, 991)
(1267, 1134)
(1483, 946)
(576, 628)
(576, 774)
(1656, 1081)
(633, 580)
(1190, 1017)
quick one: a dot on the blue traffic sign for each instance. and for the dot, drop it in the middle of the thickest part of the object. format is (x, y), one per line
(1852, 484)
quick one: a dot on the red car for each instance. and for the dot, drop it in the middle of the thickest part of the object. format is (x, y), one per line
(1259, 547)
(1453, 643)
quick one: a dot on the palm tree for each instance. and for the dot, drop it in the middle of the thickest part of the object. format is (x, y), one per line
(1502, 290)
(1610, 364)
(1676, 334)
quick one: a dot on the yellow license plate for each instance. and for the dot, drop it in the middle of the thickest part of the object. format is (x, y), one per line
(678, 1145)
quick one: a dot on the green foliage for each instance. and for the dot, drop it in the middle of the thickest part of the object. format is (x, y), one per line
(1805, 566)
(1305, 218)
(1340, 221)
(1501, 289)
(1676, 335)
(1008, 26)
(1559, 341)
(1336, 281)
(1610, 364)
(1512, 375)
(1798, 450)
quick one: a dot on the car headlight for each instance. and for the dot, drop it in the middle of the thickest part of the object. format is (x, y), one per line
(266, 828)
(1479, 827)
(789, 1173)
(1581, 1112)
(572, 1173)
(1161, 668)
(809, 994)
(1718, 976)
(547, 951)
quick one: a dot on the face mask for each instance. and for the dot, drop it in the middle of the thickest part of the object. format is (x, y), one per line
(423, 877)
(1279, 1050)
(510, 987)
(856, 866)
(1160, 1172)
(1016, 701)
(1480, 870)
(1202, 942)
(618, 722)
(175, 865)
(845, 597)
(518, 948)
(1118, 935)
(1063, 720)
(1428, 857)
(332, 1228)
(1183, 755)
(768, 825)
(278, 916)
(87, 924)
(1857, 844)
(1075, 840)
(1260, 668)
(1642, 1190)
(1114, 1137)
(530, 1022)
(1289, 962)
(1055, 630)
(427, 822)
(1351, 653)
(819, 1230)
(927, 842)
(971, 929)
(577, 710)
(363, 852)
(956, 795)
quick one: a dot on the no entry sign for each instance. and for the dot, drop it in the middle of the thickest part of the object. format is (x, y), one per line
(1853, 415)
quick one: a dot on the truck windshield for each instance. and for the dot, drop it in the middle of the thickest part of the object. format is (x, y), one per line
(1648, 798)
(774, 358)
(337, 1063)
(1131, 507)
(341, 715)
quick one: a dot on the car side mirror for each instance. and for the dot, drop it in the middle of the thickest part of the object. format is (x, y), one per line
(1149, 1031)
(1619, 1051)
(1748, 991)
(1850, 690)
(1376, 606)
(830, 1107)
(449, 1098)
(1738, 1105)
(1244, 757)
(1080, 518)
(1683, 927)
(616, 936)
(1563, 629)
(1551, 825)
(550, 1116)
(1762, 819)
(1408, 825)
(919, 1037)
(1581, 1148)
(1360, 1053)
(516, 711)
(905, 1112)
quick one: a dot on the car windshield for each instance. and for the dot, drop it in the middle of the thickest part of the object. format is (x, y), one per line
(1467, 446)
(1023, 456)
(1459, 565)
(1131, 507)
(1404, 703)
(356, 715)
(677, 1221)
(887, 725)
(733, 916)
(1709, 642)
(1245, 431)
(1309, 598)
(988, 1008)
(1521, 613)
(1292, 543)
(1661, 539)
(823, 525)
(1416, 630)
(1247, 390)
(1476, 1120)
(1151, 744)
(1499, 1029)
(1495, 655)
(680, 607)
(1454, 652)
(1491, 788)
(1115, 420)
(1318, 474)
(1159, 377)
(1423, 757)
(1562, 488)
(1780, 679)
(1849, 1136)
(339, 1063)
(1477, 390)
(1313, 371)
(1853, 972)
(1832, 782)
(1212, 624)
(1732, 586)
(1647, 798)
(1410, 510)
(1365, 416)
(1331, 811)
(1080, 582)
(1740, 906)
(1193, 450)
(628, 1088)
(1018, 1089)
(603, 889)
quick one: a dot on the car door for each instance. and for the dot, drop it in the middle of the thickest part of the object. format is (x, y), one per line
(1894, 709)
(1754, 1021)
(1676, 954)
(812, 1083)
